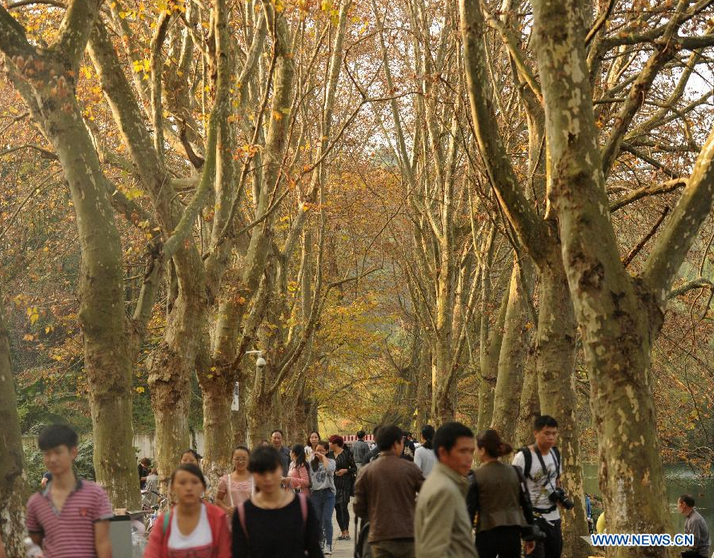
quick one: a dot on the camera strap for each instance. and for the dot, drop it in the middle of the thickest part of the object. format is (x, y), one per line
(545, 469)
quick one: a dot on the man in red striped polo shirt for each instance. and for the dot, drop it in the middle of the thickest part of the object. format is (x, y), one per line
(69, 517)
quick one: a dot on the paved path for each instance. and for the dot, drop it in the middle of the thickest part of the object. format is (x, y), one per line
(343, 549)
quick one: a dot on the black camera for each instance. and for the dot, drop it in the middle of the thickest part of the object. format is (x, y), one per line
(533, 533)
(558, 496)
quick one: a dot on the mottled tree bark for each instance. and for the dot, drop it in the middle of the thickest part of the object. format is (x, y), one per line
(556, 331)
(619, 317)
(512, 359)
(46, 82)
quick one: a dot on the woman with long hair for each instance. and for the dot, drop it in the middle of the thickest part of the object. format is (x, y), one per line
(192, 527)
(274, 522)
(236, 486)
(298, 477)
(424, 456)
(322, 477)
(496, 494)
(312, 441)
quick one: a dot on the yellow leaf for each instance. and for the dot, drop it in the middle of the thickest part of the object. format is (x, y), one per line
(277, 115)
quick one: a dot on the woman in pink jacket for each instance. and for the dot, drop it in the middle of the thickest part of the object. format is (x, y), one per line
(298, 474)
(193, 528)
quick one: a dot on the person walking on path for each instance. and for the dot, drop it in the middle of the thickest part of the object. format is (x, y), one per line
(442, 527)
(345, 473)
(191, 456)
(274, 523)
(277, 438)
(322, 477)
(541, 465)
(694, 525)
(385, 494)
(298, 477)
(192, 528)
(373, 452)
(235, 487)
(360, 448)
(497, 494)
(424, 456)
(69, 517)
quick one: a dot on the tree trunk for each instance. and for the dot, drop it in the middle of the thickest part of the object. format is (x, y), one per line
(217, 384)
(13, 490)
(107, 346)
(555, 354)
(512, 360)
(239, 418)
(423, 400)
(172, 365)
(529, 406)
(491, 339)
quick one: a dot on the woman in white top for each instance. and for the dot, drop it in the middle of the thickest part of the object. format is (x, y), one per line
(312, 441)
(193, 528)
(424, 457)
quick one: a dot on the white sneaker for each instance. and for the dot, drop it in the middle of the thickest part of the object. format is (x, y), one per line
(328, 550)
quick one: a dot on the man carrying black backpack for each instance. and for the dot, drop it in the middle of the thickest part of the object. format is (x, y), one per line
(541, 466)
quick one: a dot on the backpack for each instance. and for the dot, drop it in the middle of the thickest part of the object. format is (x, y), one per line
(528, 456)
(303, 511)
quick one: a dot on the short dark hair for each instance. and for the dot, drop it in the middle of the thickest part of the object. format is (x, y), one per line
(264, 459)
(278, 430)
(56, 435)
(361, 434)
(193, 452)
(448, 434)
(687, 499)
(544, 421)
(388, 436)
(192, 468)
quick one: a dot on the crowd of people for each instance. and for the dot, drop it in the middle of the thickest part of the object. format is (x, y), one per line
(278, 501)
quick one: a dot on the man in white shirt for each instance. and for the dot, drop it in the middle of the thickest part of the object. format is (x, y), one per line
(541, 466)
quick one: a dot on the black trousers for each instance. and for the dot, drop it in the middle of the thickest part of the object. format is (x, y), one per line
(343, 515)
(504, 542)
(552, 547)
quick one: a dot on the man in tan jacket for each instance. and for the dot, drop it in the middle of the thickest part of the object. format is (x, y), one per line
(441, 526)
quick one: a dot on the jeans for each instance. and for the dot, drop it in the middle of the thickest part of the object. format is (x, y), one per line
(324, 503)
(552, 547)
(504, 542)
(343, 515)
(392, 549)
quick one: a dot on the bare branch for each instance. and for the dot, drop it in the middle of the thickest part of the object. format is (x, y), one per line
(627, 260)
(75, 30)
(681, 230)
(700, 283)
(646, 191)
